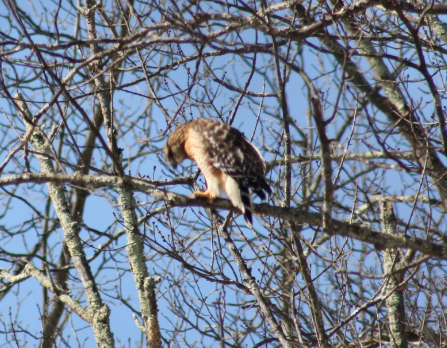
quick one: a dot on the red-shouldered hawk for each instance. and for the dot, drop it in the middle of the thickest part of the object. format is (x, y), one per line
(229, 162)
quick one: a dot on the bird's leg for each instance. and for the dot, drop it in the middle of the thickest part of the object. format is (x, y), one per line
(205, 194)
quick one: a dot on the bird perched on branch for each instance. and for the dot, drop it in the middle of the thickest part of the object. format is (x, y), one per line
(229, 162)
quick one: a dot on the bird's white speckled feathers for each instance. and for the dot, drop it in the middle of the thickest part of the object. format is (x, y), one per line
(229, 162)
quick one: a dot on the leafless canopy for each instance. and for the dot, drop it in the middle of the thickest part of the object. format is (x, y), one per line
(102, 243)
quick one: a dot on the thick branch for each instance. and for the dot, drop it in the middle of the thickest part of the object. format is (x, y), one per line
(395, 298)
(100, 311)
(355, 231)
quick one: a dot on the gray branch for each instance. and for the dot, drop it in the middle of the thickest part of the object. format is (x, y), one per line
(99, 311)
(394, 294)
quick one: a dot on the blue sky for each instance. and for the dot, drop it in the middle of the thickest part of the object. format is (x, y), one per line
(142, 128)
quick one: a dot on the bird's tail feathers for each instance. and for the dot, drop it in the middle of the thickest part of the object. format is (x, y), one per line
(259, 190)
(246, 200)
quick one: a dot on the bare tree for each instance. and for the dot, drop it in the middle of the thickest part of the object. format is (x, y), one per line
(102, 241)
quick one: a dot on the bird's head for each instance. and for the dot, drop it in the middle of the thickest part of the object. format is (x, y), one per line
(174, 153)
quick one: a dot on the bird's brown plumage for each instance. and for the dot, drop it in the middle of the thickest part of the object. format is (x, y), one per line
(229, 162)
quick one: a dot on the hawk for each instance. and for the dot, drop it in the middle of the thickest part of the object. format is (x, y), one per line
(229, 162)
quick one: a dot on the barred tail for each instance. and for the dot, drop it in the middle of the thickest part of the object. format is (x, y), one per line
(239, 194)
(261, 186)
(245, 197)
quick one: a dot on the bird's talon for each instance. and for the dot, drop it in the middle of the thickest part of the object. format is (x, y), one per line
(204, 195)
